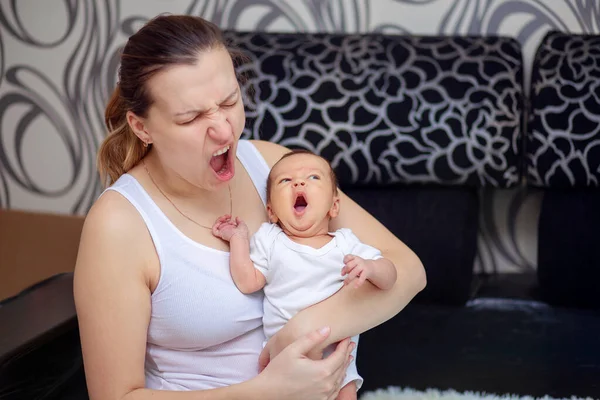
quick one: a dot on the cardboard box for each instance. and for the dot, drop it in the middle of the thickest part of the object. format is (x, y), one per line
(34, 247)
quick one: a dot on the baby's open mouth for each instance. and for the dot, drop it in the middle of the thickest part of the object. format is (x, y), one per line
(300, 203)
(219, 161)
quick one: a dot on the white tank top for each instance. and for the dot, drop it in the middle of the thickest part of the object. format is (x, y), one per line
(204, 333)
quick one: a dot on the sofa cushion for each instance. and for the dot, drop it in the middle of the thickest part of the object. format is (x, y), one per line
(437, 223)
(563, 147)
(390, 109)
(569, 247)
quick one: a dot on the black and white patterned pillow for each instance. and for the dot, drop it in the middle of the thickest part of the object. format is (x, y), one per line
(390, 109)
(563, 146)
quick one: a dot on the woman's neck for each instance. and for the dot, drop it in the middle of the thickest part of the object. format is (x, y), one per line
(177, 188)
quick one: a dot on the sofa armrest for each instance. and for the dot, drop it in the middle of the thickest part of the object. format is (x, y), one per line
(36, 316)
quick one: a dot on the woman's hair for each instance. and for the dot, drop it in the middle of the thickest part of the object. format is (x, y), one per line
(294, 152)
(164, 41)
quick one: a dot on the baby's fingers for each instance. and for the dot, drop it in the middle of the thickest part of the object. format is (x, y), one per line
(348, 258)
(223, 218)
(361, 279)
(216, 228)
(346, 269)
(355, 273)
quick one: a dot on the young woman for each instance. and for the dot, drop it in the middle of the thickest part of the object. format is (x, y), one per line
(159, 314)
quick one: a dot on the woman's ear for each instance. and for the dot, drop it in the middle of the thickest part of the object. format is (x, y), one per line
(138, 127)
(272, 217)
(335, 207)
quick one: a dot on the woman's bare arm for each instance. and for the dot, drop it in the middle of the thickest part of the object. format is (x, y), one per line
(112, 296)
(352, 310)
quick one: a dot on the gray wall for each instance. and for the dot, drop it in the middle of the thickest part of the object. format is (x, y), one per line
(58, 62)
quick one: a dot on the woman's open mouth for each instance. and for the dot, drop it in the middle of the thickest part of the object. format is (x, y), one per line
(222, 163)
(300, 204)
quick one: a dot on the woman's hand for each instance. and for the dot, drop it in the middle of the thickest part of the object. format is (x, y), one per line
(293, 375)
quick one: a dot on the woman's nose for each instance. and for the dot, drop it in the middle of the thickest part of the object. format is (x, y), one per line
(219, 129)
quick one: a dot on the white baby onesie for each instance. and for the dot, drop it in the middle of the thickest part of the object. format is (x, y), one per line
(298, 276)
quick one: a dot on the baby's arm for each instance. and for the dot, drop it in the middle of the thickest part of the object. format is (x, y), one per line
(380, 272)
(247, 278)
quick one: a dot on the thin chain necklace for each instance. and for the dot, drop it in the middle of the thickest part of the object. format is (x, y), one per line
(178, 210)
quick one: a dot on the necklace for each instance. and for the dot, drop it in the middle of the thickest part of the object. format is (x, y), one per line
(178, 210)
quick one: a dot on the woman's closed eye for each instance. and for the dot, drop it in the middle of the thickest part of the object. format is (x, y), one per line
(200, 115)
(190, 121)
(229, 105)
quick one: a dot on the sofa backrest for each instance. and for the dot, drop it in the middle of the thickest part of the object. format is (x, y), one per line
(390, 109)
(563, 158)
(563, 146)
(413, 127)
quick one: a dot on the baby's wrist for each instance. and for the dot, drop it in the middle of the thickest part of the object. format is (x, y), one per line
(240, 235)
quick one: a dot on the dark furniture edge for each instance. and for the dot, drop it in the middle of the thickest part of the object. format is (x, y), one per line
(36, 316)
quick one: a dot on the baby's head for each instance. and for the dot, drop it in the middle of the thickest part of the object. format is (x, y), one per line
(302, 194)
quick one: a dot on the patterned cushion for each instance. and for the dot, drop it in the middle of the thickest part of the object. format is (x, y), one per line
(563, 149)
(390, 109)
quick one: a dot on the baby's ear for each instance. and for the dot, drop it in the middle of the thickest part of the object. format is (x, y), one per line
(272, 217)
(335, 207)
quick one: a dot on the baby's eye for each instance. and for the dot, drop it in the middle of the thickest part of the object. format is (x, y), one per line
(285, 180)
(314, 177)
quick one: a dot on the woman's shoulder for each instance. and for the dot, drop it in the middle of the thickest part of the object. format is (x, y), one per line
(270, 151)
(113, 218)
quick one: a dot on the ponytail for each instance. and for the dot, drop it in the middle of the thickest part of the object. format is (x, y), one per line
(121, 150)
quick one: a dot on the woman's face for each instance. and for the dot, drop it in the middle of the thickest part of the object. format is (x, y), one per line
(197, 118)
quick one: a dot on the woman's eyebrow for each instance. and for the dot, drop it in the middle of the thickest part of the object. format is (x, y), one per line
(202, 111)
(231, 96)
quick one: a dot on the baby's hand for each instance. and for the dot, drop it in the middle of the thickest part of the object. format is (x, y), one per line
(358, 269)
(226, 227)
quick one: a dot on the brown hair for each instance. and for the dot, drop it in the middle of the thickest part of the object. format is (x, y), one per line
(164, 41)
(332, 175)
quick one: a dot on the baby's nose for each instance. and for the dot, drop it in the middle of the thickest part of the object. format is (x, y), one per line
(299, 182)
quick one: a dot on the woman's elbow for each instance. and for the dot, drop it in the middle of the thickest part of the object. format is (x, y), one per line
(414, 273)
(420, 275)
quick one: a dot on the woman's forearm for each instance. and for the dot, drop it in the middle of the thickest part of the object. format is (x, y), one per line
(248, 390)
(352, 311)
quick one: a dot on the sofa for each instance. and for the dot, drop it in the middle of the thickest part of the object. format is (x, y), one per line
(420, 130)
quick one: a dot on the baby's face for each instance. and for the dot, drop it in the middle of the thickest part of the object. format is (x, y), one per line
(302, 195)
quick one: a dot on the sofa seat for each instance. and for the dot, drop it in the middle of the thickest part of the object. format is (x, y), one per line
(493, 345)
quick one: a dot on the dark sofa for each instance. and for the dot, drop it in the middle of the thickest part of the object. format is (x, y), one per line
(419, 130)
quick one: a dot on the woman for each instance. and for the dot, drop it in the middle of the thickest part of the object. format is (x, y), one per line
(159, 315)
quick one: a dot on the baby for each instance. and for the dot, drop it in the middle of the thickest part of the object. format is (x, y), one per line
(295, 258)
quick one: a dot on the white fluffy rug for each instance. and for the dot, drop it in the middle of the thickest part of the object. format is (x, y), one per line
(394, 393)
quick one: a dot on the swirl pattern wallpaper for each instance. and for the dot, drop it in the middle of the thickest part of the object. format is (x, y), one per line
(59, 61)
